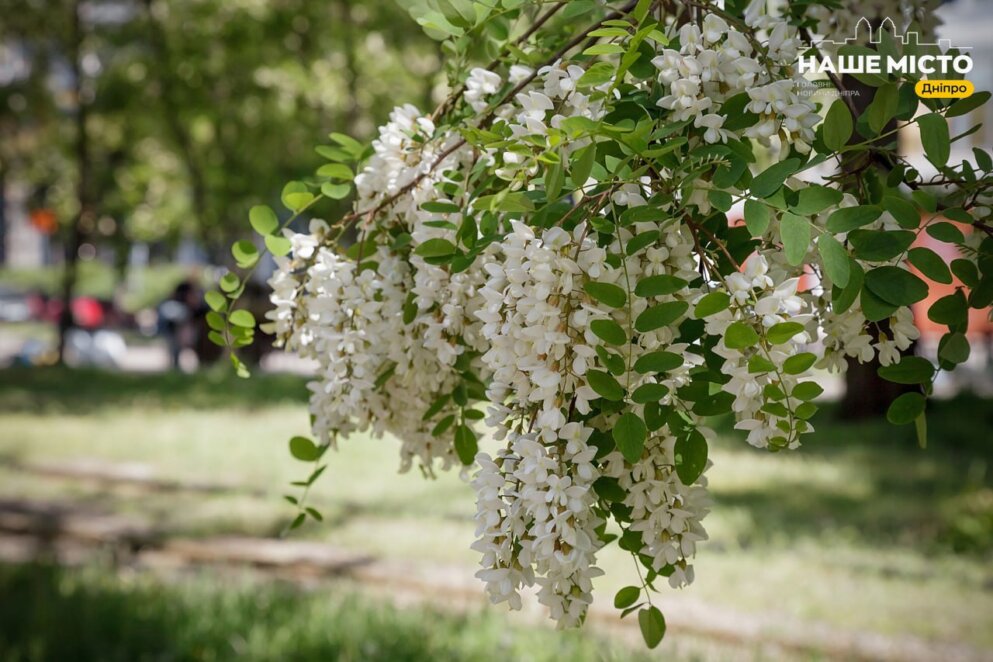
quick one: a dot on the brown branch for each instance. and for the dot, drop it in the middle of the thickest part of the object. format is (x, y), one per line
(460, 90)
(713, 238)
(488, 116)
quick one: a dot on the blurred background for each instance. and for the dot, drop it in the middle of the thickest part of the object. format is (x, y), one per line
(141, 483)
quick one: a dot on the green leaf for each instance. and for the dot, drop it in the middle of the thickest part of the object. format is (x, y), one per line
(847, 219)
(304, 449)
(335, 191)
(439, 207)
(837, 126)
(721, 200)
(614, 363)
(930, 264)
(883, 107)
(837, 264)
(910, 370)
(952, 309)
(353, 146)
(605, 385)
(277, 245)
(649, 393)
(660, 361)
(609, 331)
(814, 199)
(582, 165)
(606, 293)
(229, 282)
(935, 139)
(626, 597)
(771, 179)
(953, 349)
(244, 253)
(436, 247)
(215, 321)
(740, 335)
(966, 271)
(609, 489)
(896, 286)
(629, 434)
(795, 233)
(216, 301)
(442, 426)
(799, 363)
(604, 49)
(968, 104)
(756, 217)
(777, 334)
(842, 298)
(240, 368)
(874, 308)
(598, 74)
(691, 456)
(296, 196)
(652, 625)
(660, 315)
(466, 446)
(946, 232)
(332, 153)
(904, 211)
(807, 391)
(336, 171)
(711, 303)
(906, 408)
(880, 245)
(660, 285)
(759, 364)
(242, 318)
(641, 241)
(263, 219)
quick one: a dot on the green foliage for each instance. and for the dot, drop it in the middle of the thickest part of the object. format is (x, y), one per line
(629, 435)
(583, 177)
(691, 456)
(934, 138)
(652, 625)
(838, 126)
(607, 293)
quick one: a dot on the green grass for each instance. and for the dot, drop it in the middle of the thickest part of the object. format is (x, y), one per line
(53, 390)
(94, 614)
(859, 530)
(144, 287)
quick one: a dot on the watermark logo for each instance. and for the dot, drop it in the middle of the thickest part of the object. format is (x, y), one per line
(917, 58)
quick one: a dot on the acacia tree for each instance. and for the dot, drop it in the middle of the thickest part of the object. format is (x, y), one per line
(547, 257)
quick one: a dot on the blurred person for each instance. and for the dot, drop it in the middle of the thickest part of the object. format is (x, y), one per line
(177, 319)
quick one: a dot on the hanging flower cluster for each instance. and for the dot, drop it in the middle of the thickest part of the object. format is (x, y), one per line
(546, 261)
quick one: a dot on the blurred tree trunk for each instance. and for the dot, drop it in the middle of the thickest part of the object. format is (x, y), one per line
(171, 110)
(3, 212)
(75, 231)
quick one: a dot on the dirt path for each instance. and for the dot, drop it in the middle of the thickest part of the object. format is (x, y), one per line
(71, 534)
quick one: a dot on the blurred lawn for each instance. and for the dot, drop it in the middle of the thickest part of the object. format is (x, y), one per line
(143, 288)
(859, 530)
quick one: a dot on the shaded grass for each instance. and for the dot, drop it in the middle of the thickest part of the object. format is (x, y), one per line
(49, 613)
(46, 390)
